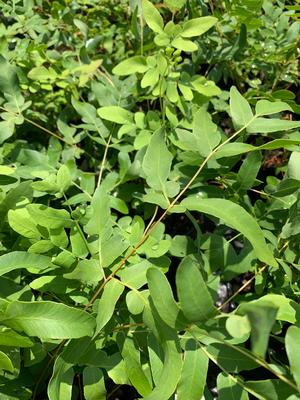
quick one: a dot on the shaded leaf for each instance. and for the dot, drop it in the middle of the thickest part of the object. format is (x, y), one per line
(5, 362)
(248, 171)
(170, 373)
(228, 389)
(194, 297)
(261, 317)
(10, 338)
(193, 376)
(162, 296)
(93, 384)
(8, 78)
(61, 381)
(230, 358)
(292, 340)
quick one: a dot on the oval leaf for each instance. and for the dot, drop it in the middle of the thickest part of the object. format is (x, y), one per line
(116, 114)
(22, 259)
(237, 218)
(152, 16)
(292, 340)
(197, 26)
(131, 66)
(162, 296)
(106, 306)
(194, 297)
(48, 320)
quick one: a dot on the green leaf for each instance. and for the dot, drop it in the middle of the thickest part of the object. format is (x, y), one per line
(294, 166)
(237, 218)
(9, 82)
(292, 340)
(162, 296)
(184, 44)
(265, 107)
(48, 320)
(63, 178)
(288, 310)
(228, 389)
(79, 245)
(5, 362)
(238, 326)
(116, 114)
(174, 4)
(156, 357)
(197, 26)
(229, 357)
(135, 275)
(88, 114)
(107, 303)
(133, 301)
(22, 259)
(136, 64)
(271, 389)
(93, 384)
(193, 376)
(42, 74)
(113, 248)
(136, 375)
(261, 317)
(268, 125)
(49, 217)
(248, 171)
(61, 381)
(10, 338)
(152, 17)
(206, 133)
(150, 78)
(6, 130)
(240, 109)
(21, 222)
(170, 373)
(100, 222)
(233, 149)
(205, 87)
(157, 162)
(195, 300)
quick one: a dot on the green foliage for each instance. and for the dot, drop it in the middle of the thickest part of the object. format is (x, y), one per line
(149, 157)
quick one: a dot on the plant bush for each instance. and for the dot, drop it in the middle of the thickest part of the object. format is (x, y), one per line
(150, 176)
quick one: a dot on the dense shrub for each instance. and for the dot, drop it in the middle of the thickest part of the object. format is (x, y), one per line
(149, 189)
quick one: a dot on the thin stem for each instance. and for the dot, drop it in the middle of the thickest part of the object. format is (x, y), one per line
(152, 220)
(240, 289)
(103, 161)
(38, 126)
